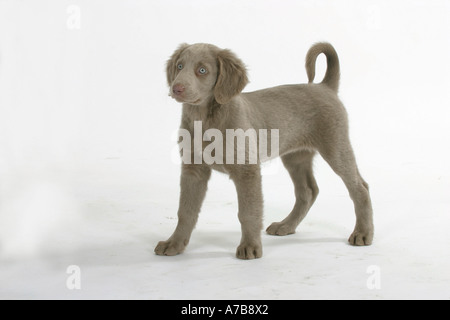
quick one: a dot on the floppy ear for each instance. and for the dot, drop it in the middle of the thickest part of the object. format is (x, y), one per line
(232, 76)
(171, 67)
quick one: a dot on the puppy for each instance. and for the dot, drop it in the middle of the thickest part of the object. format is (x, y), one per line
(309, 118)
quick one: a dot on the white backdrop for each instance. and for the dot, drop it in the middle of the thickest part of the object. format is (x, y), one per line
(86, 145)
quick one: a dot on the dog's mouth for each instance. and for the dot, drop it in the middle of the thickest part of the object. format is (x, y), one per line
(195, 102)
(182, 100)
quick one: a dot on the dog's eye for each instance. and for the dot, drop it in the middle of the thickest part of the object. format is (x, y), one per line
(202, 70)
(180, 66)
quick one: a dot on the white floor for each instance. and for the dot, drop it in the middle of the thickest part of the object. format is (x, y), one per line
(116, 211)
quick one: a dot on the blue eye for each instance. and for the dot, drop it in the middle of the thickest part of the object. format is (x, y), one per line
(202, 71)
(180, 66)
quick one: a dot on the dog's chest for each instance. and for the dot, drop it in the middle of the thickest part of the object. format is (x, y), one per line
(206, 119)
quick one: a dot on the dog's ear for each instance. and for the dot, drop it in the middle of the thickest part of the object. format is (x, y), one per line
(231, 78)
(171, 67)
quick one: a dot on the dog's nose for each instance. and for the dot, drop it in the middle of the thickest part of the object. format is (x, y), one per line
(178, 89)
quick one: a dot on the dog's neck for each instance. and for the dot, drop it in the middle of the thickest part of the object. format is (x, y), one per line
(204, 112)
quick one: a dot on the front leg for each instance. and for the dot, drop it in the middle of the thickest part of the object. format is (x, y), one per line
(194, 181)
(247, 179)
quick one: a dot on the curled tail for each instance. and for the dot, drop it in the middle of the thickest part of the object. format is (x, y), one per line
(332, 75)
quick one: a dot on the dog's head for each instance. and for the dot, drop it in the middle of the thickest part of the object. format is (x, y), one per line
(200, 72)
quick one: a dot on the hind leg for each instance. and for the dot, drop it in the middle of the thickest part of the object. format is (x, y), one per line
(299, 166)
(343, 162)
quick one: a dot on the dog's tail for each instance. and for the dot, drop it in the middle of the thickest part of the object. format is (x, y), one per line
(332, 75)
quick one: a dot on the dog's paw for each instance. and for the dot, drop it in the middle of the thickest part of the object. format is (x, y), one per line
(280, 229)
(249, 251)
(169, 248)
(358, 238)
